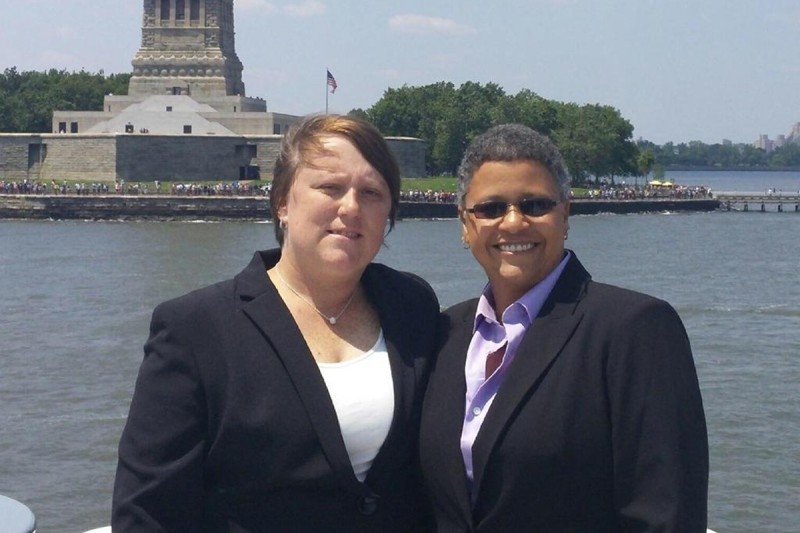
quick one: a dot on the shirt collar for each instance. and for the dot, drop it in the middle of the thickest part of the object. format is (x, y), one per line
(531, 302)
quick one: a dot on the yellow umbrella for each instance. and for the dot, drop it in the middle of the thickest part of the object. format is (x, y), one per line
(667, 184)
(655, 183)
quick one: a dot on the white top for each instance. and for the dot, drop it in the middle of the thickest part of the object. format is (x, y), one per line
(362, 392)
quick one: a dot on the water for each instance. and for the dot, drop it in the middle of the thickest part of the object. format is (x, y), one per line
(724, 181)
(76, 299)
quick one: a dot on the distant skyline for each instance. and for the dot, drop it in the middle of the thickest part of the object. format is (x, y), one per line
(678, 70)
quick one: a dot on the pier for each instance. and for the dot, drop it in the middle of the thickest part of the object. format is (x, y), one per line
(759, 202)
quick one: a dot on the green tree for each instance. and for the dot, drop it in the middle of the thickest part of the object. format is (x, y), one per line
(359, 113)
(594, 139)
(645, 162)
(29, 98)
(787, 155)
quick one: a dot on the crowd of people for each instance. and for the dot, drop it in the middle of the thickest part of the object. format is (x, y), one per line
(23, 187)
(439, 197)
(220, 189)
(627, 192)
(603, 192)
(123, 188)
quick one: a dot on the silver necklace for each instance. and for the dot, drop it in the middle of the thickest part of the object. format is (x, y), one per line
(331, 319)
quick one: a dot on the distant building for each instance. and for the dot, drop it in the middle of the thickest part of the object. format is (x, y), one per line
(185, 117)
(794, 135)
(768, 145)
(764, 143)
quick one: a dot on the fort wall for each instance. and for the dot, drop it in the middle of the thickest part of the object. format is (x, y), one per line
(147, 157)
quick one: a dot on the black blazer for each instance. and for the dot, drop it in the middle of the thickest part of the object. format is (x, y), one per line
(599, 425)
(231, 427)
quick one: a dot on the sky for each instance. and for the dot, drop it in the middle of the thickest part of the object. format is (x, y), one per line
(678, 70)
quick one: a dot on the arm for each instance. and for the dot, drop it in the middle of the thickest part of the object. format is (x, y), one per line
(658, 426)
(159, 481)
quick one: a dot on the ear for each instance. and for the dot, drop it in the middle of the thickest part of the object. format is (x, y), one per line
(283, 213)
(462, 216)
(566, 214)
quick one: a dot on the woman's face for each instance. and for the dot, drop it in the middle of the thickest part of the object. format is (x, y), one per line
(335, 212)
(516, 251)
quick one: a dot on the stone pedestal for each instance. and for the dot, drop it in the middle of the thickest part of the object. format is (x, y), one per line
(187, 49)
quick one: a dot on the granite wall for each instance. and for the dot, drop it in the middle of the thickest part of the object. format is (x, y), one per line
(146, 157)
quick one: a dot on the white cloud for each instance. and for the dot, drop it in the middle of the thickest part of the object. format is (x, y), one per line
(309, 8)
(423, 24)
(255, 5)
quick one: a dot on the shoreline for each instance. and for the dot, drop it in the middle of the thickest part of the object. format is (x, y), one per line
(168, 207)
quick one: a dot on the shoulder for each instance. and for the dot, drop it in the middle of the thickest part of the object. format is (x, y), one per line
(197, 306)
(403, 286)
(630, 322)
(463, 309)
(620, 303)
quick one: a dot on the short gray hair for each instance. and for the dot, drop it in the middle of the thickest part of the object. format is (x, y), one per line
(512, 142)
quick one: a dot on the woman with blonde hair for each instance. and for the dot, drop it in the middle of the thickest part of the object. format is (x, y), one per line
(288, 398)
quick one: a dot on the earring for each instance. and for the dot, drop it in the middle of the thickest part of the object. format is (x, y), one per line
(464, 243)
(283, 224)
(566, 235)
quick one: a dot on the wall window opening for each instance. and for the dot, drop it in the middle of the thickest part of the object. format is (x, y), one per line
(194, 10)
(34, 155)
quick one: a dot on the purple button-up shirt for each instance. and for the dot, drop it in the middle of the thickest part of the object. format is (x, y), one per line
(490, 335)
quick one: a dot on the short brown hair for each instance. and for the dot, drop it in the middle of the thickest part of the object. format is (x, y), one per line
(306, 136)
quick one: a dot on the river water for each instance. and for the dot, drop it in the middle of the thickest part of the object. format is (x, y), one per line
(76, 297)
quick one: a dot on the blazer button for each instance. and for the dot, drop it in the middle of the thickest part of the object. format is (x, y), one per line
(368, 505)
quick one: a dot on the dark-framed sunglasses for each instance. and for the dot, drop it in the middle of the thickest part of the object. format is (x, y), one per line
(530, 207)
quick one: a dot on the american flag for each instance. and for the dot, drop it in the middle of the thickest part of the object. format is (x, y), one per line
(331, 82)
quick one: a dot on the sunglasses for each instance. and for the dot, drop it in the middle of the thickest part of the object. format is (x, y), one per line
(531, 207)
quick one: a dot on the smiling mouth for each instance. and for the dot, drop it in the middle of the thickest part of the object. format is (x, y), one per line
(516, 247)
(348, 234)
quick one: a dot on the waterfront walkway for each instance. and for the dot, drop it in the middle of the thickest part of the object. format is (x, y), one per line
(754, 201)
(168, 207)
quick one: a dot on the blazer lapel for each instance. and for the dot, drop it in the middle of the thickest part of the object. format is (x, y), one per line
(265, 308)
(404, 373)
(447, 393)
(540, 346)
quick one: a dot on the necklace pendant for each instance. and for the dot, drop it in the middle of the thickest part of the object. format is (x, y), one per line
(332, 320)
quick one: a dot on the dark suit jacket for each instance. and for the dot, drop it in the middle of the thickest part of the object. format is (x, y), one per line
(231, 427)
(598, 426)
